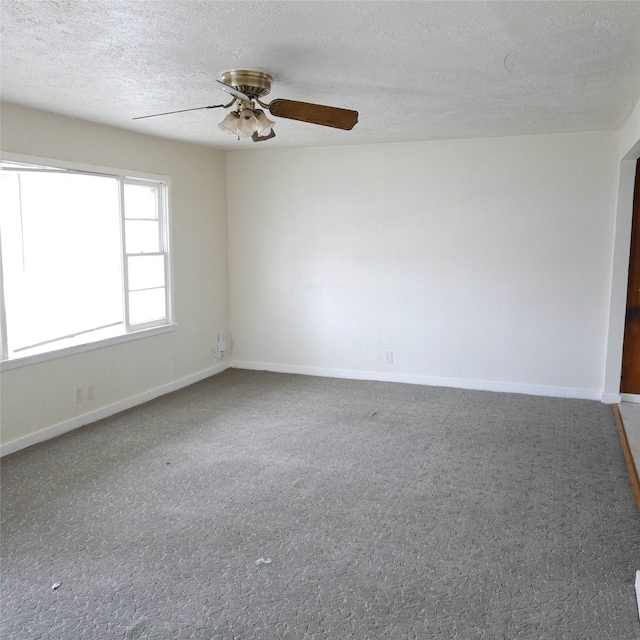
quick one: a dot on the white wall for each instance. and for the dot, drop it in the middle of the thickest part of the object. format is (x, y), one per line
(479, 263)
(38, 400)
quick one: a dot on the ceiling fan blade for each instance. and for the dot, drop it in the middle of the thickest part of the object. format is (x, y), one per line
(314, 113)
(167, 113)
(256, 137)
(234, 92)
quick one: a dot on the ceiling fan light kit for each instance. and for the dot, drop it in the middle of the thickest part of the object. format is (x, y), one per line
(230, 123)
(247, 121)
(263, 122)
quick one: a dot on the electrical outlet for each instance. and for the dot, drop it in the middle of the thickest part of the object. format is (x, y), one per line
(222, 345)
(79, 395)
(388, 357)
(91, 391)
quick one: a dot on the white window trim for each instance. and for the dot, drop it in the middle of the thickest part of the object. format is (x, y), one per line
(23, 361)
(165, 250)
(140, 331)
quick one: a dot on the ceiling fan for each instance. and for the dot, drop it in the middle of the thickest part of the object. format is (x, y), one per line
(246, 120)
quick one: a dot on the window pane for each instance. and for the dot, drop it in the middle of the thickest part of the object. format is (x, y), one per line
(145, 272)
(61, 237)
(142, 236)
(140, 201)
(61, 256)
(146, 306)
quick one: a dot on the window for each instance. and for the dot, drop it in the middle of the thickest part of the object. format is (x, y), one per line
(84, 255)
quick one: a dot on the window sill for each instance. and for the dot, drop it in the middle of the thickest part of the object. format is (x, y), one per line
(23, 361)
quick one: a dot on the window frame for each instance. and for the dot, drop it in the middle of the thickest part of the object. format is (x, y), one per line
(130, 331)
(164, 250)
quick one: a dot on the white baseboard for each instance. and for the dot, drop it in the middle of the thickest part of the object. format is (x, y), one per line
(476, 385)
(611, 398)
(104, 412)
(629, 397)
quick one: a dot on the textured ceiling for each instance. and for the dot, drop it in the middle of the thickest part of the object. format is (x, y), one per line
(414, 70)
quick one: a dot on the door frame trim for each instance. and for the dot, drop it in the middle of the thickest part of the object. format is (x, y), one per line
(619, 275)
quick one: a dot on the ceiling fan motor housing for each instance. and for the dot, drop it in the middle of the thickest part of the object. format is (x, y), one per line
(254, 84)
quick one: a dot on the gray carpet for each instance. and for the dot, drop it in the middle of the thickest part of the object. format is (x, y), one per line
(387, 510)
